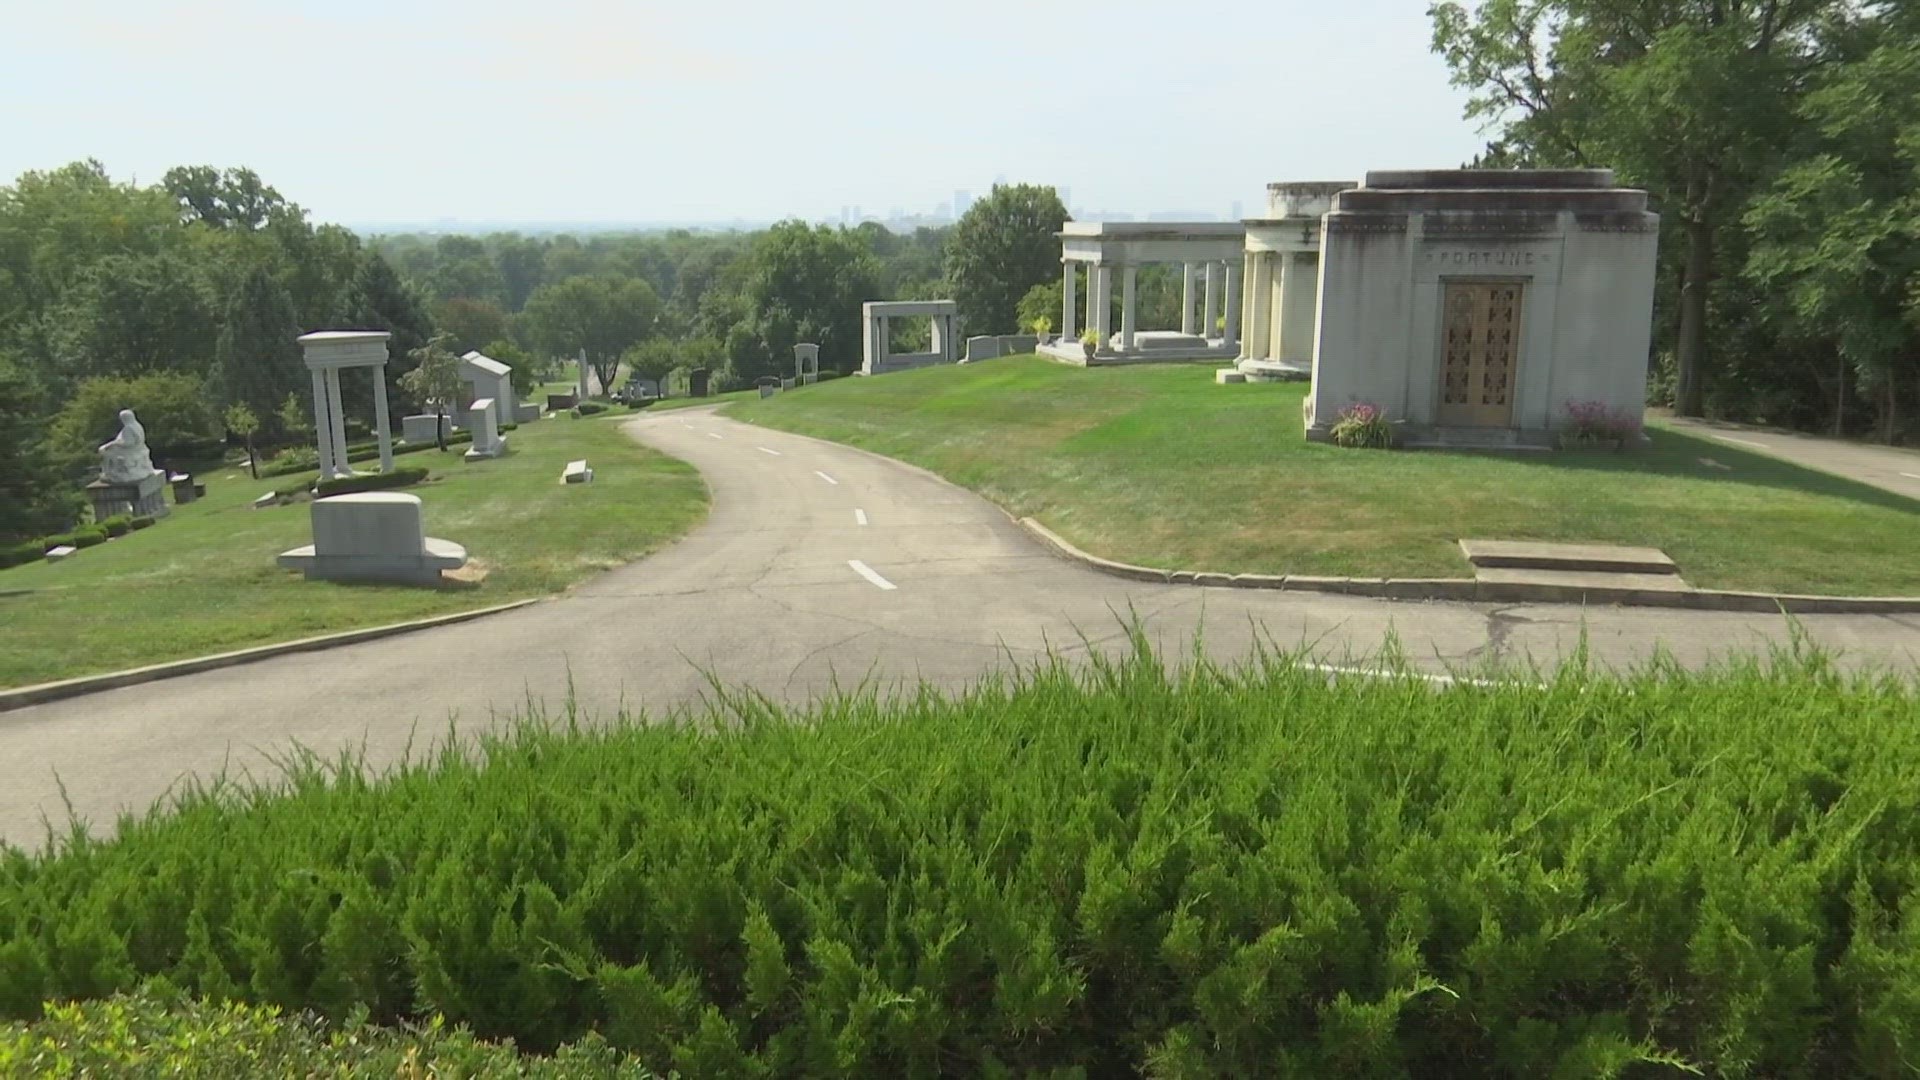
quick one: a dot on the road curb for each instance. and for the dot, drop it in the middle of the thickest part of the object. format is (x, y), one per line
(41, 693)
(1468, 589)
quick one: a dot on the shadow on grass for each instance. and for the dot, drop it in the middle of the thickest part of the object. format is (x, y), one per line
(1679, 455)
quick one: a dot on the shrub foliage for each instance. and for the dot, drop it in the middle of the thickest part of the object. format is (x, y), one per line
(1093, 873)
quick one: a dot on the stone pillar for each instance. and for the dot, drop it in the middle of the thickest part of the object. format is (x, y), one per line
(1093, 295)
(322, 424)
(1212, 306)
(1187, 283)
(1232, 332)
(1129, 277)
(1295, 339)
(886, 338)
(1103, 309)
(381, 424)
(1258, 313)
(583, 375)
(1067, 293)
(337, 424)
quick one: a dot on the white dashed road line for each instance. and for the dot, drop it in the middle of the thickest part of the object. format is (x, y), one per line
(1911, 476)
(825, 477)
(713, 435)
(859, 517)
(764, 450)
(866, 571)
(1742, 442)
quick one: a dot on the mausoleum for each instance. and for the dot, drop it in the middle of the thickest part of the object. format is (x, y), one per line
(1209, 251)
(327, 353)
(487, 379)
(1475, 304)
(1281, 279)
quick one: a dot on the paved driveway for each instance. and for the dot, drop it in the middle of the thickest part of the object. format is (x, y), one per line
(818, 563)
(1892, 468)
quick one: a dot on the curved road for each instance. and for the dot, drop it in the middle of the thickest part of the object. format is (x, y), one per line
(818, 563)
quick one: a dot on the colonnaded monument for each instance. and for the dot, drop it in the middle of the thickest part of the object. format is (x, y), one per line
(1473, 306)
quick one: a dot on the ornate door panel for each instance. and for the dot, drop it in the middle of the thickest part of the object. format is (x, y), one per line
(1479, 352)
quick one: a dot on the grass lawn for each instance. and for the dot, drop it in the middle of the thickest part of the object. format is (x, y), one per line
(711, 399)
(203, 580)
(1156, 465)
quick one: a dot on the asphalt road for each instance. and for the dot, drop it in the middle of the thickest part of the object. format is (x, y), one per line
(818, 564)
(1890, 468)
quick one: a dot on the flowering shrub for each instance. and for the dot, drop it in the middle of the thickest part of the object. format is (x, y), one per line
(1363, 424)
(1595, 423)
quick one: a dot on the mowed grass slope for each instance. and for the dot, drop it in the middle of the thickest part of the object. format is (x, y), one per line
(1156, 465)
(204, 580)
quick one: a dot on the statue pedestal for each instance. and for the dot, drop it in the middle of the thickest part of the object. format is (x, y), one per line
(145, 497)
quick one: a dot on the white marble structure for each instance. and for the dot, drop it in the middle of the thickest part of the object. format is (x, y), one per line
(806, 363)
(373, 536)
(487, 378)
(327, 353)
(1281, 280)
(424, 428)
(128, 482)
(484, 416)
(1477, 304)
(876, 316)
(1211, 253)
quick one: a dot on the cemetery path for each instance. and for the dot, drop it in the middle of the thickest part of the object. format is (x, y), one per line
(1889, 468)
(817, 564)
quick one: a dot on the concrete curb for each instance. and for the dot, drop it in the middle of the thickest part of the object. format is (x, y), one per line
(40, 693)
(1468, 589)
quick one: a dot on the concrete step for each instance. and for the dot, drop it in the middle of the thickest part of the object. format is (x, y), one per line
(1575, 558)
(1469, 438)
(1582, 579)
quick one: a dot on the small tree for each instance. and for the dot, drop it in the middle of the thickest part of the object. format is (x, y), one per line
(435, 379)
(242, 422)
(293, 416)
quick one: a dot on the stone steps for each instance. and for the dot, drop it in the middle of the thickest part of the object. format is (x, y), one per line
(1571, 558)
(1469, 438)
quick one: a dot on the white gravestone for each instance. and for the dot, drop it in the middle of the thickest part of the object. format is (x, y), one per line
(373, 536)
(487, 440)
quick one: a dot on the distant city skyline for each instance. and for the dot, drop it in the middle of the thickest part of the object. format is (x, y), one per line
(483, 114)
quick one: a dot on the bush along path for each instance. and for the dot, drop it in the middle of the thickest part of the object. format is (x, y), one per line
(1084, 871)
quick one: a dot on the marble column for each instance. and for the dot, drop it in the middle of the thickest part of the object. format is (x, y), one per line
(383, 425)
(337, 424)
(1232, 332)
(322, 424)
(1295, 339)
(1067, 292)
(1093, 296)
(1129, 277)
(1189, 279)
(1211, 309)
(1103, 307)
(1259, 310)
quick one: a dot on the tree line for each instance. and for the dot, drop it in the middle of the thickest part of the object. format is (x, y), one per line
(1780, 142)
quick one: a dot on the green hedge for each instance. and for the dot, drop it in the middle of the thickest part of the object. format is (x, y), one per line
(1102, 873)
(151, 1035)
(16, 553)
(141, 523)
(589, 408)
(401, 476)
(308, 460)
(118, 525)
(23, 551)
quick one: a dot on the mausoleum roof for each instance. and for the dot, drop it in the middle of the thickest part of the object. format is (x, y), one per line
(487, 363)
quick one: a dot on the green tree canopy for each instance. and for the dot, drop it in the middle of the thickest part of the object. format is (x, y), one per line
(1003, 246)
(257, 355)
(35, 497)
(602, 314)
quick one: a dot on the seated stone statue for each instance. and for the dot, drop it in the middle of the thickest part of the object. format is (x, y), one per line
(126, 460)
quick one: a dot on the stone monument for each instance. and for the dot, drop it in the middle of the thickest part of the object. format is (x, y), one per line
(1209, 251)
(327, 353)
(877, 316)
(373, 536)
(484, 416)
(1282, 277)
(488, 378)
(128, 482)
(806, 363)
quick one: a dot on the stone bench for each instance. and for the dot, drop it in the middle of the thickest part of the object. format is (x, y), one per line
(373, 536)
(577, 472)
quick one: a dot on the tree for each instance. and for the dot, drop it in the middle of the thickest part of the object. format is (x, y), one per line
(224, 198)
(473, 323)
(295, 416)
(1003, 246)
(257, 355)
(130, 315)
(242, 422)
(171, 406)
(602, 314)
(652, 359)
(35, 498)
(435, 380)
(1681, 96)
(797, 283)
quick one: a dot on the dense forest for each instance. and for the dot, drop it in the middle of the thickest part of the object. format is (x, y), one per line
(1780, 140)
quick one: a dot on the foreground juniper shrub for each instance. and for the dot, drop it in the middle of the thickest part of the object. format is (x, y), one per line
(1097, 871)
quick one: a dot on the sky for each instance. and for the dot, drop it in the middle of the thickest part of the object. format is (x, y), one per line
(375, 114)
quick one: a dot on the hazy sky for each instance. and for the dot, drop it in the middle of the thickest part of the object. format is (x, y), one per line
(701, 110)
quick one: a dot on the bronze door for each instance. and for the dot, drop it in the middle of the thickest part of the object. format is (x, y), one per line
(1479, 352)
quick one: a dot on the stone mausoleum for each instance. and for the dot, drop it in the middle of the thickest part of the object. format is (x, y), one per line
(1281, 279)
(1210, 253)
(1476, 304)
